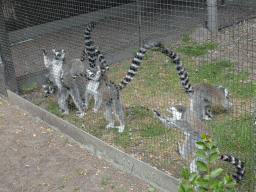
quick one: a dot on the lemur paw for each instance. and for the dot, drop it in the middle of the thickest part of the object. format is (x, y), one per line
(155, 112)
(65, 113)
(120, 128)
(110, 125)
(81, 115)
(95, 110)
(178, 148)
(207, 118)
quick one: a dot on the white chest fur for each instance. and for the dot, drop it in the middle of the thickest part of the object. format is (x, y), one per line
(56, 70)
(92, 87)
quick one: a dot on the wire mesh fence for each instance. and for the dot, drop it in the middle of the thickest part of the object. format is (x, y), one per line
(224, 57)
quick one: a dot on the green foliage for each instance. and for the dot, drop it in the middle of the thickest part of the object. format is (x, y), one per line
(53, 107)
(123, 139)
(207, 181)
(223, 71)
(25, 88)
(151, 130)
(197, 49)
(104, 180)
(185, 37)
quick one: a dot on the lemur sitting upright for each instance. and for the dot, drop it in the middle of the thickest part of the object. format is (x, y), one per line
(201, 94)
(59, 67)
(107, 93)
(192, 127)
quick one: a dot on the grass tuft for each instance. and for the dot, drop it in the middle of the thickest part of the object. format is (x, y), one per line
(197, 49)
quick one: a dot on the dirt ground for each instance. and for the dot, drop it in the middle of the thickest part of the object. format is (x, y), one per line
(34, 157)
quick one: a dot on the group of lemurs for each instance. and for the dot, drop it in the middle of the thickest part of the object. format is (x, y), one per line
(82, 80)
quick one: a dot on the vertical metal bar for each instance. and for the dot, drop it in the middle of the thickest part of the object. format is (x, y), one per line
(139, 20)
(212, 14)
(9, 71)
(254, 132)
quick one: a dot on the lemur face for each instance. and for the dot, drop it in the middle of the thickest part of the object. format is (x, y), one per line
(48, 90)
(94, 75)
(59, 54)
(225, 92)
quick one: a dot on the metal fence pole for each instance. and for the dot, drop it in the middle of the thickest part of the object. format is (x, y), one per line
(254, 147)
(212, 13)
(9, 71)
(138, 3)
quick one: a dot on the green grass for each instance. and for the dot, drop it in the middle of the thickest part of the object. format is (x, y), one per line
(185, 37)
(123, 139)
(39, 101)
(25, 88)
(53, 107)
(223, 73)
(104, 180)
(197, 49)
(152, 130)
(235, 134)
(157, 86)
(67, 179)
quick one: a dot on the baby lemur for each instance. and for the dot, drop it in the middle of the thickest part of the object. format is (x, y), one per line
(107, 93)
(201, 94)
(192, 127)
(62, 71)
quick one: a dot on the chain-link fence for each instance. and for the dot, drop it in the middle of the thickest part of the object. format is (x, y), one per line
(214, 39)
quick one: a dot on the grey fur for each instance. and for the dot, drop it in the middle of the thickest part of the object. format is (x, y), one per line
(192, 128)
(201, 94)
(106, 92)
(60, 70)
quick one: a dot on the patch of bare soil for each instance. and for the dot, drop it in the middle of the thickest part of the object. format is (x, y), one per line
(34, 157)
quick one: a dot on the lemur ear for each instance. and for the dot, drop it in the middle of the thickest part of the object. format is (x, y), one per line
(53, 50)
(44, 86)
(63, 51)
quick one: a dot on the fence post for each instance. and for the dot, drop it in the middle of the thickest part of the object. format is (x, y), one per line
(254, 138)
(138, 4)
(212, 15)
(5, 51)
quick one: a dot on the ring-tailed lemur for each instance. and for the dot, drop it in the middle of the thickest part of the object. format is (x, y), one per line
(50, 88)
(90, 49)
(106, 92)
(201, 94)
(192, 128)
(61, 71)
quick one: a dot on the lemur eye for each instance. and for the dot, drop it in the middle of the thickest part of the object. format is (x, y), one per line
(92, 75)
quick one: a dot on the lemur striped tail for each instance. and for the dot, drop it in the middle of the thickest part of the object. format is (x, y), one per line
(91, 51)
(240, 167)
(89, 45)
(136, 63)
(180, 69)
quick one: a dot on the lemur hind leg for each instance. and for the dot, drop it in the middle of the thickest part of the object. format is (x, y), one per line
(62, 97)
(189, 145)
(87, 100)
(119, 113)
(98, 100)
(107, 110)
(74, 92)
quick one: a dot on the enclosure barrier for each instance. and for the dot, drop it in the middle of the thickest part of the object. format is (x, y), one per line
(215, 40)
